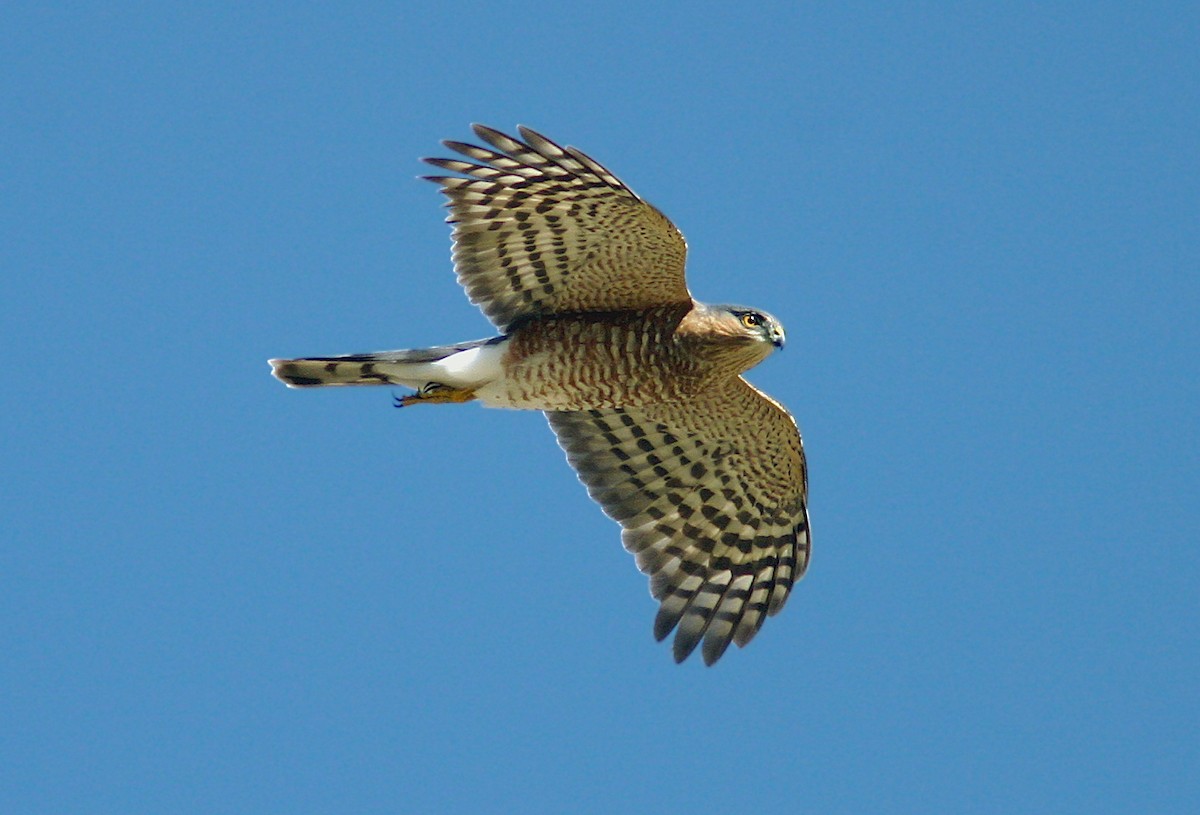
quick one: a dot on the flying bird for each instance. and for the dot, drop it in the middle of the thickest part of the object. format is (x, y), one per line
(641, 383)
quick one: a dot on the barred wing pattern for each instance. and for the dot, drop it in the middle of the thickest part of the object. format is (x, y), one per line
(541, 229)
(712, 496)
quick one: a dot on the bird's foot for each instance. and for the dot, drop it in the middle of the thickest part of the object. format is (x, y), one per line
(436, 393)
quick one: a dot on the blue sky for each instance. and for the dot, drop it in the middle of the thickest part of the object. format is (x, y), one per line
(978, 223)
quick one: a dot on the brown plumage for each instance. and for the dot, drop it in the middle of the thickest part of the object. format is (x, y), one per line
(641, 383)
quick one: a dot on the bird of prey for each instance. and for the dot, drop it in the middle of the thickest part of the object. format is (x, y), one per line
(642, 384)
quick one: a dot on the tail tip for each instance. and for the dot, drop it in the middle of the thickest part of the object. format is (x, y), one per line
(289, 373)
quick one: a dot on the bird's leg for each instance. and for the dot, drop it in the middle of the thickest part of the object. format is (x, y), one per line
(436, 393)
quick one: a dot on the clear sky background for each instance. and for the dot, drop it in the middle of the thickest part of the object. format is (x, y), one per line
(979, 223)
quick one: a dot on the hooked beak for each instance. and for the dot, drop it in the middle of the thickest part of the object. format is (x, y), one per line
(777, 338)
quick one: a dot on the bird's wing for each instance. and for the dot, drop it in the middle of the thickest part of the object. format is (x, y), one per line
(712, 494)
(541, 229)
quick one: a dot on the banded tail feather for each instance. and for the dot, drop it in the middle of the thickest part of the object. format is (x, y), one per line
(467, 363)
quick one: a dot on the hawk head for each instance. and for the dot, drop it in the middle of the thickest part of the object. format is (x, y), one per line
(736, 336)
(758, 326)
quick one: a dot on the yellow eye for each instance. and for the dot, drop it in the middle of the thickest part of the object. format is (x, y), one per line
(752, 320)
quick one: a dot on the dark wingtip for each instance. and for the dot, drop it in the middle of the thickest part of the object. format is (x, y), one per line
(682, 648)
(456, 146)
(486, 133)
(529, 134)
(714, 649)
(663, 624)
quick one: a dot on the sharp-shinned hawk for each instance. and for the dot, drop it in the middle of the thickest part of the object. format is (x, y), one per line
(641, 383)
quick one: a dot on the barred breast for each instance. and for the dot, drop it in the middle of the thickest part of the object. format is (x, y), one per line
(593, 361)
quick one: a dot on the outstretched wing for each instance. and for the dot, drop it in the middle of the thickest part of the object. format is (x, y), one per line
(541, 229)
(712, 494)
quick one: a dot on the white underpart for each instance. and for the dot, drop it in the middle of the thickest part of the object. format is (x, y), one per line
(477, 369)
(470, 368)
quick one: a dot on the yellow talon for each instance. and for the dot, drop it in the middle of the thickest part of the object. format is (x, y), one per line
(434, 394)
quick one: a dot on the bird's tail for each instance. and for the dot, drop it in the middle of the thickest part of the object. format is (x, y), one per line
(462, 364)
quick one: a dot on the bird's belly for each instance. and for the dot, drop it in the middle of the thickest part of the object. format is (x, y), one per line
(556, 380)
